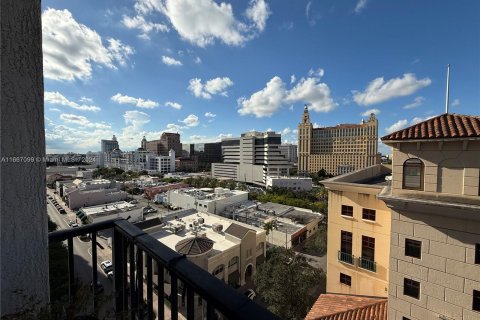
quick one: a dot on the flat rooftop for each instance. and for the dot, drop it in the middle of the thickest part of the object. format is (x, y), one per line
(205, 195)
(170, 239)
(376, 175)
(109, 208)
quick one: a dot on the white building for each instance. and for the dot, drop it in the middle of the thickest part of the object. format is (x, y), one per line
(251, 158)
(205, 201)
(294, 183)
(121, 209)
(227, 249)
(140, 160)
(78, 193)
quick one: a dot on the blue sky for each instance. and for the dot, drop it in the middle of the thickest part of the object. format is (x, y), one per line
(211, 69)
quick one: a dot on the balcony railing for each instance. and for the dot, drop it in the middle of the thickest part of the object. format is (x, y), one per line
(367, 264)
(346, 257)
(131, 244)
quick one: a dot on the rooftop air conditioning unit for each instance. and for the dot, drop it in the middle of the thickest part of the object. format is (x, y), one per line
(217, 227)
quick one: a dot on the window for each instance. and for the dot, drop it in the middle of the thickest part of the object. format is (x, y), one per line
(411, 288)
(368, 248)
(405, 318)
(368, 214)
(233, 262)
(347, 211)
(413, 248)
(345, 279)
(413, 174)
(476, 300)
(477, 253)
(346, 244)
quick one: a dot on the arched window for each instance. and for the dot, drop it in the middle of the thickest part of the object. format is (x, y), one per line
(233, 262)
(413, 174)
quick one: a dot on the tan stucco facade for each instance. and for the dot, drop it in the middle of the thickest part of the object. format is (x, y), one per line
(343, 190)
(445, 218)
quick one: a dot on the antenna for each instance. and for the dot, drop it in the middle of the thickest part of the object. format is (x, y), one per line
(448, 88)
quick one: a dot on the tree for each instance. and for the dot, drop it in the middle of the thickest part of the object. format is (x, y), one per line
(285, 281)
(317, 244)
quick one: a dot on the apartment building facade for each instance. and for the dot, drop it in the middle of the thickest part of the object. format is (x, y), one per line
(337, 150)
(168, 141)
(358, 233)
(251, 158)
(435, 207)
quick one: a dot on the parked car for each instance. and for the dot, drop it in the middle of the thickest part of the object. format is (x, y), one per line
(71, 222)
(134, 201)
(250, 294)
(106, 266)
(74, 225)
(110, 275)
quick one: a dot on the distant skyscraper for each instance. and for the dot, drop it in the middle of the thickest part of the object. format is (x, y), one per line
(144, 143)
(251, 158)
(339, 149)
(168, 141)
(290, 151)
(109, 145)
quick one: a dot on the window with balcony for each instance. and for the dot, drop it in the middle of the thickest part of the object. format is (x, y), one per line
(413, 174)
(347, 211)
(476, 300)
(367, 261)
(411, 288)
(345, 279)
(369, 214)
(477, 253)
(345, 253)
(413, 248)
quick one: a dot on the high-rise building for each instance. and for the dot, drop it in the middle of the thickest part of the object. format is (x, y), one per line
(109, 145)
(167, 142)
(251, 158)
(290, 151)
(206, 153)
(435, 206)
(337, 150)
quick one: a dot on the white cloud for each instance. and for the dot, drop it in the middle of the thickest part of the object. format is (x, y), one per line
(138, 102)
(316, 125)
(265, 102)
(146, 27)
(286, 131)
(171, 127)
(311, 17)
(169, 61)
(369, 111)
(71, 49)
(456, 103)
(202, 22)
(55, 109)
(379, 91)
(292, 79)
(417, 102)
(58, 99)
(311, 91)
(190, 121)
(82, 121)
(197, 60)
(216, 86)
(86, 100)
(199, 138)
(258, 12)
(173, 104)
(316, 73)
(400, 124)
(360, 6)
(210, 115)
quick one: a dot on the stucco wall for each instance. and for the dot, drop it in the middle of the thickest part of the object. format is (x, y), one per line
(23, 225)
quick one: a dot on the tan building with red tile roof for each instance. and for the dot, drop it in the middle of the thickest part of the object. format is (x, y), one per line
(346, 307)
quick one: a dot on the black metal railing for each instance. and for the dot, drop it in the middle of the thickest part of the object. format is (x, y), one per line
(346, 257)
(130, 247)
(367, 264)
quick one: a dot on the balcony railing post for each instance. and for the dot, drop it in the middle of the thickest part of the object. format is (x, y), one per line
(140, 283)
(118, 258)
(190, 303)
(94, 270)
(149, 288)
(160, 292)
(71, 271)
(174, 296)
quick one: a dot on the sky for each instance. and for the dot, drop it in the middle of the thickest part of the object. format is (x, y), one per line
(209, 69)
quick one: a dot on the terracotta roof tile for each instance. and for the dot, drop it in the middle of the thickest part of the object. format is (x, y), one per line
(344, 307)
(445, 126)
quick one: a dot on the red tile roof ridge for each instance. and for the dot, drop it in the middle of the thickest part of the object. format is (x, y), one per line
(443, 126)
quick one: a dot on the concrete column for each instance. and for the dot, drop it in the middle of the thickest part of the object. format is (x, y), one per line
(23, 216)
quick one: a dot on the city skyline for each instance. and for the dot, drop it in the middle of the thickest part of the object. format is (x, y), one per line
(135, 68)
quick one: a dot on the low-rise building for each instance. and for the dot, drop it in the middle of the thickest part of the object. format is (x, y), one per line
(121, 209)
(229, 250)
(204, 200)
(150, 192)
(358, 233)
(290, 226)
(294, 183)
